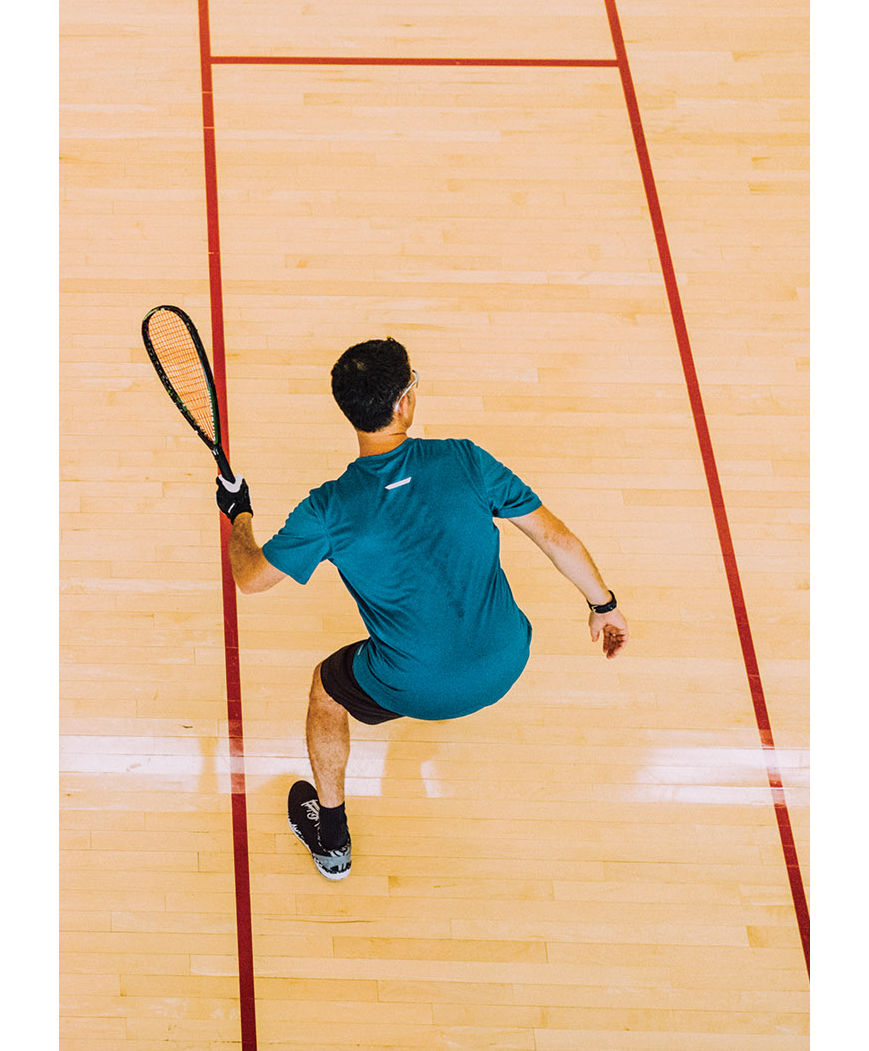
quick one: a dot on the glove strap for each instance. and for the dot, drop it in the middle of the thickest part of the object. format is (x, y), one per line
(232, 487)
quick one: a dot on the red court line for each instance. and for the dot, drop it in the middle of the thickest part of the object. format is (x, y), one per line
(286, 60)
(244, 934)
(715, 492)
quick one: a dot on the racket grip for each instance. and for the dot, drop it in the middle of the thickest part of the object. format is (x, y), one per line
(223, 464)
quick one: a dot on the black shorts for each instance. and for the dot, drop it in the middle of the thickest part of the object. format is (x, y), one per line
(339, 682)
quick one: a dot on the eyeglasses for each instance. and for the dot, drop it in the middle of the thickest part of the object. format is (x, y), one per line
(407, 390)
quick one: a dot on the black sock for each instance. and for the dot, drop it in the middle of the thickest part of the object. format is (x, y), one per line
(333, 827)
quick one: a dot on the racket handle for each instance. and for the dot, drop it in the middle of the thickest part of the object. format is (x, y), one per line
(223, 464)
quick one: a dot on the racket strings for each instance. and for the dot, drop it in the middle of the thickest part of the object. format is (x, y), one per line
(177, 354)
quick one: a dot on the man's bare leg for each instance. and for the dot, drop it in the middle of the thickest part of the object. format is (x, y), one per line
(316, 814)
(328, 734)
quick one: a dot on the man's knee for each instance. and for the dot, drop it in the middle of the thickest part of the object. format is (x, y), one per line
(319, 700)
(316, 684)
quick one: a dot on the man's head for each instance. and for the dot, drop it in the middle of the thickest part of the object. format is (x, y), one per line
(368, 380)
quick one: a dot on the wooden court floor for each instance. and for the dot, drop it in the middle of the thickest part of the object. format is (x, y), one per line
(611, 858)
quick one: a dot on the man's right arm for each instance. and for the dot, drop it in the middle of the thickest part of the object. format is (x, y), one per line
(251, 570)
(571, 558)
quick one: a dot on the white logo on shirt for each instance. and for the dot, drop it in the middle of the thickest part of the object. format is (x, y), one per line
(395, 485)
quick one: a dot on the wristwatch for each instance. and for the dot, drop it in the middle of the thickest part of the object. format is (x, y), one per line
(605, 607)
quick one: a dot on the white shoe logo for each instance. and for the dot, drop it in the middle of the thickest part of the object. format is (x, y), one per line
(395, 485)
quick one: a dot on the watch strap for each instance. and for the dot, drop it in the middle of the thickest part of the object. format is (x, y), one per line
(604, 607)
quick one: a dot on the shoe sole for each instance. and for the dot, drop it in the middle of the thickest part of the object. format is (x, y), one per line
(334, 876)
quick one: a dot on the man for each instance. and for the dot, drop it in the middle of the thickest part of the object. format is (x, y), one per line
(409, 526)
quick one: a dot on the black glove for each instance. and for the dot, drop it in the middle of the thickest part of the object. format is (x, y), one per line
(233, 498)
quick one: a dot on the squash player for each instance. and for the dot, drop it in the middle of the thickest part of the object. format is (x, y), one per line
(409, 527)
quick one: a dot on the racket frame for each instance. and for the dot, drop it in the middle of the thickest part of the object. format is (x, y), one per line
(215, 446)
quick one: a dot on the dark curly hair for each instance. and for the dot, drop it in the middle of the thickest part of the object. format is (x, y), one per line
(367, 380)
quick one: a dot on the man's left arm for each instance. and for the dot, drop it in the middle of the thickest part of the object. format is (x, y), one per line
(570, 557)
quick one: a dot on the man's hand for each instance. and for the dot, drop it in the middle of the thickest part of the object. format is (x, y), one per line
(233, 498)
(614, 628)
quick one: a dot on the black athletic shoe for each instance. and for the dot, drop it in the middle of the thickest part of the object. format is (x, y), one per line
(303, 811)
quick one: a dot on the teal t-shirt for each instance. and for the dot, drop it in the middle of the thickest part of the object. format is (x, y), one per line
(412, 537)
